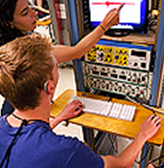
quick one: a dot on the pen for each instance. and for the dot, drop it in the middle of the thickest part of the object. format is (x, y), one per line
(120, 7)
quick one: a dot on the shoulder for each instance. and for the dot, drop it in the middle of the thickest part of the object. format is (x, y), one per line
(3, 123)
(68, 143)
(77, 153)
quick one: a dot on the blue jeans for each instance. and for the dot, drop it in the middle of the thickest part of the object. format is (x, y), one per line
(7, 108)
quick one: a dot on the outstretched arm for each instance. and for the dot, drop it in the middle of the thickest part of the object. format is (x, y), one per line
(66, 53)
(40, 7)
(68, 112)
(39, 3)
(148, 129)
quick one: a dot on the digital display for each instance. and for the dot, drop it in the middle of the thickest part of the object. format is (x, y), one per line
(133, 15)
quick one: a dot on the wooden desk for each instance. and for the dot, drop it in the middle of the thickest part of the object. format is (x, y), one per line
(105, 124)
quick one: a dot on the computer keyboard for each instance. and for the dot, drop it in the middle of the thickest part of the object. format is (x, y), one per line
(109, 109)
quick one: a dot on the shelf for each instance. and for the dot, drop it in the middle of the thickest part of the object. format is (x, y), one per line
(138, 38)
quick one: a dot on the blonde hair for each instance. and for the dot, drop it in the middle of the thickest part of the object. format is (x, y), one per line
(25, 64)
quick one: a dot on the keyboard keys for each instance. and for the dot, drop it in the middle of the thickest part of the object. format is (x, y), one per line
(116, 110)
(124, 112)
(109, 109)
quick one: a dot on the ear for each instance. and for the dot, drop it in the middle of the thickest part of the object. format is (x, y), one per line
(11, 25)
(48, 87)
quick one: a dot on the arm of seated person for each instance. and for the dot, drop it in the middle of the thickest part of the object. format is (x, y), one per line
(126, 159)
(68, 112)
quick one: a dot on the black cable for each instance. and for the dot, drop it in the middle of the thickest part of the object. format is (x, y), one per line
(144, 105)
(113, 139)
(155, 159)
(139, 162)
(7, 154)
(110, 99)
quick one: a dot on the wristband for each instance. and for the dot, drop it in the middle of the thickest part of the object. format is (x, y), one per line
(102, 27)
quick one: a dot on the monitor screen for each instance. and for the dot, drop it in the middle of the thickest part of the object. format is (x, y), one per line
(133, 15)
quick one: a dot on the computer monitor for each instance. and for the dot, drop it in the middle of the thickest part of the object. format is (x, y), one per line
(133, 15)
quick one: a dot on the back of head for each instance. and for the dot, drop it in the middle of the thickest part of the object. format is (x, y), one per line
(25, 64)
(7, 8)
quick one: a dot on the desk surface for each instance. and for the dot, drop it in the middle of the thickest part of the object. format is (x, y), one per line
(105, 124)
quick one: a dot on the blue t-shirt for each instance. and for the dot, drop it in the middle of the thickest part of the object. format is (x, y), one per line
(38, 147)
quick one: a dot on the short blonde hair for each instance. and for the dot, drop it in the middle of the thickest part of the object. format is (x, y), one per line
(25, 64)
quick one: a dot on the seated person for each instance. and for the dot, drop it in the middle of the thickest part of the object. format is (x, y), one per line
(28, 79)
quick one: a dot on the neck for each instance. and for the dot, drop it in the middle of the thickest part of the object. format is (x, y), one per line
(37, 114)
(26, 115)
(42, 112)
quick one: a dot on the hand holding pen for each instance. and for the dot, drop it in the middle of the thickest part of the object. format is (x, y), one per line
(111, 18)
